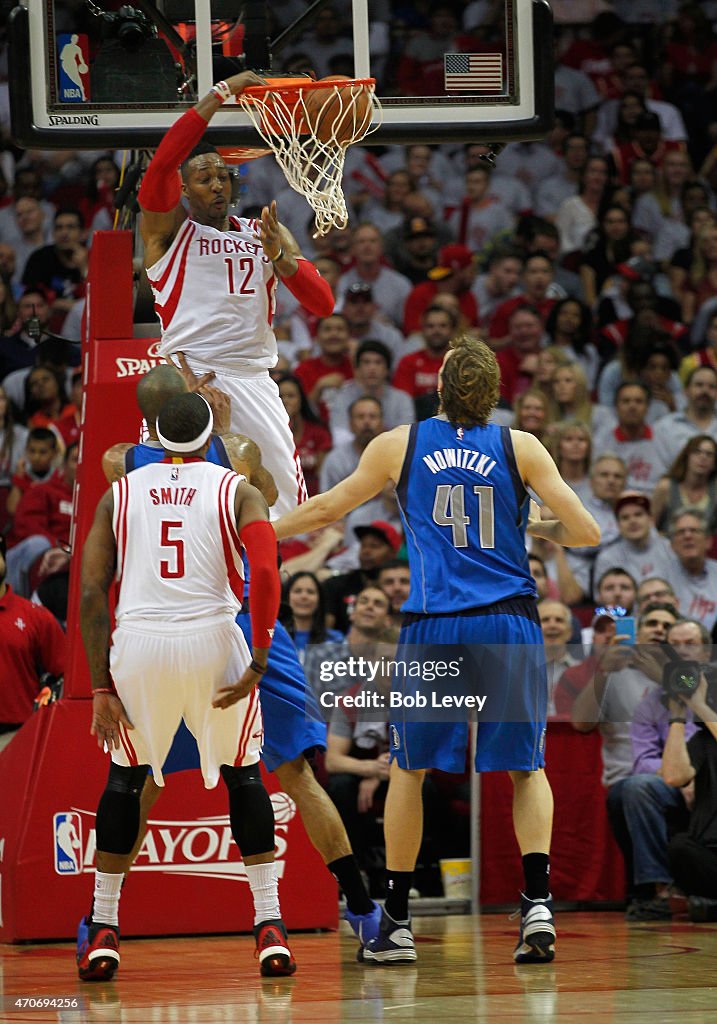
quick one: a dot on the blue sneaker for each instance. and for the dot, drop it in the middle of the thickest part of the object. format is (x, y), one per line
(97, 951)
(536, 944)
(393, 945)
(365, 926)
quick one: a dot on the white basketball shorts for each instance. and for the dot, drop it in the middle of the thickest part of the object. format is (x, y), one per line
(162, 677)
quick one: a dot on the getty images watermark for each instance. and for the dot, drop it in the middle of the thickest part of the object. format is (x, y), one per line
(373, 671)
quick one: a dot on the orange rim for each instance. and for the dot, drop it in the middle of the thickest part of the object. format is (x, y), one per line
(289, 88)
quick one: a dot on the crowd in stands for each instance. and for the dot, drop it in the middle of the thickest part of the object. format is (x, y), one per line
(588, 261)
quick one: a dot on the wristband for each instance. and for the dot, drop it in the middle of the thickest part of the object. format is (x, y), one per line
(221, 91)
(104, 689)
(255, 667)
(677, 721)
(279, 256)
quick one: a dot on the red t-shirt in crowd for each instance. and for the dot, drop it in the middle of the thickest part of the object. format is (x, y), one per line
(615, 333)
(421, 297)
(417, 373)
(310, 371)
(625, 155)
(499, 324)
(513, 381)
(23, 481)
(314, 440)
(44, 509)
(68, 428)
(41, 419)
(31, 642)
(571, 684)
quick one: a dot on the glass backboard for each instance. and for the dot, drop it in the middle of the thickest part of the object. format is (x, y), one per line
(99, 73)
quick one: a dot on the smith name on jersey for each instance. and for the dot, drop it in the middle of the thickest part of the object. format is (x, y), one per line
(178, 551)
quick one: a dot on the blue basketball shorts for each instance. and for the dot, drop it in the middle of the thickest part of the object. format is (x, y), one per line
(499, 657)
(293, 723)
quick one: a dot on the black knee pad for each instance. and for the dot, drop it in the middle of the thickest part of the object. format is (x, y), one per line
(251, 814)
(118, 811)
(126, 780)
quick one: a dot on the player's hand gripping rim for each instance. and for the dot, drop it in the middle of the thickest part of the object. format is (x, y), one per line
(108, 713)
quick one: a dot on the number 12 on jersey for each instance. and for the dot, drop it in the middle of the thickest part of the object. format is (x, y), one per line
(449, 509)
(245, 268)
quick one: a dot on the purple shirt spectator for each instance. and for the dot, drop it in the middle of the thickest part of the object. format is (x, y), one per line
(648, 732)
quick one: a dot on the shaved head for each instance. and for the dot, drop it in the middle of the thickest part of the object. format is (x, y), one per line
(157, 387)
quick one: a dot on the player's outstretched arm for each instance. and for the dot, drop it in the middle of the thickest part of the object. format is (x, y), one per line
(160, 193)
(98, 567)
(381, 461)
(574, 527)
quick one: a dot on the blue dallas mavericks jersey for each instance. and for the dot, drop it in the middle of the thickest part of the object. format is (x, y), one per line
(146, 454)
(464, 509)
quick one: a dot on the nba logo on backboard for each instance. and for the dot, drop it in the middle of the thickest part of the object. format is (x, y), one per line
(73, 70)
(68, 843)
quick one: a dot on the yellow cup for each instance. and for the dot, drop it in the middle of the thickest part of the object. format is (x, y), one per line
(456, 878)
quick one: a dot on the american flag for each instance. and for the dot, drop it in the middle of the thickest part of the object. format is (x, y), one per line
(472, 71)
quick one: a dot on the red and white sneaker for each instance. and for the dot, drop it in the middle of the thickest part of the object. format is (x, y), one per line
(272, 949)
(97, 951)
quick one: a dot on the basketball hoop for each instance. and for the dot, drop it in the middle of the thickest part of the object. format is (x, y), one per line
(309, 126)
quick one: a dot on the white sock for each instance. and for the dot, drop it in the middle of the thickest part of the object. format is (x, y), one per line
(107, 893)
(265, 890)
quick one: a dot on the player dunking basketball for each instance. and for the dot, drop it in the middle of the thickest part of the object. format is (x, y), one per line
(214, 279)
(173, 532)
(462, 489)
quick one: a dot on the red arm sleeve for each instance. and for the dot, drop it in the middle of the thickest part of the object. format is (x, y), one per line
(161, 188)
(313, 292)
(404, 378)
(417, 301)
(259, 540)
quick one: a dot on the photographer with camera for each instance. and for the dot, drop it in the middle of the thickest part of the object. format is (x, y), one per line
(650, 806)
(692, 855)
(623, 674)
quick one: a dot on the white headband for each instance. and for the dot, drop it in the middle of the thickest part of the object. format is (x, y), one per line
(188, 446)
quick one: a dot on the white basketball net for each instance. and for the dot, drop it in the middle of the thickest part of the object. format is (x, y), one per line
(312, 166)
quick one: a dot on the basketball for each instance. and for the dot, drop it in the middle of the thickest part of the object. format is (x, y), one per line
(339, 114)
(284, 807)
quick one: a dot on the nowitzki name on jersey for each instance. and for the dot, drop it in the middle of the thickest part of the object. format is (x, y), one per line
(459, 458)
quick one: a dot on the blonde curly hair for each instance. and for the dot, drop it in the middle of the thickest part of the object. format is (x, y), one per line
(470, 382)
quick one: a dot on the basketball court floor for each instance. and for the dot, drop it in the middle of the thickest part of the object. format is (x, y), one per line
(605, 970)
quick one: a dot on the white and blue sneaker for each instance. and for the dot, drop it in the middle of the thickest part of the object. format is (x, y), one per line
(365, 926)
(393, 945)
(536, 944)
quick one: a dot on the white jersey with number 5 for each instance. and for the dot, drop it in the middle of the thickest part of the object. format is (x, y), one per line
(214, 292)
(178, 551)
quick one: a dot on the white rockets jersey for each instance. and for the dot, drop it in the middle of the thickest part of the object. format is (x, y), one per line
(178, 551)
(214, 292)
